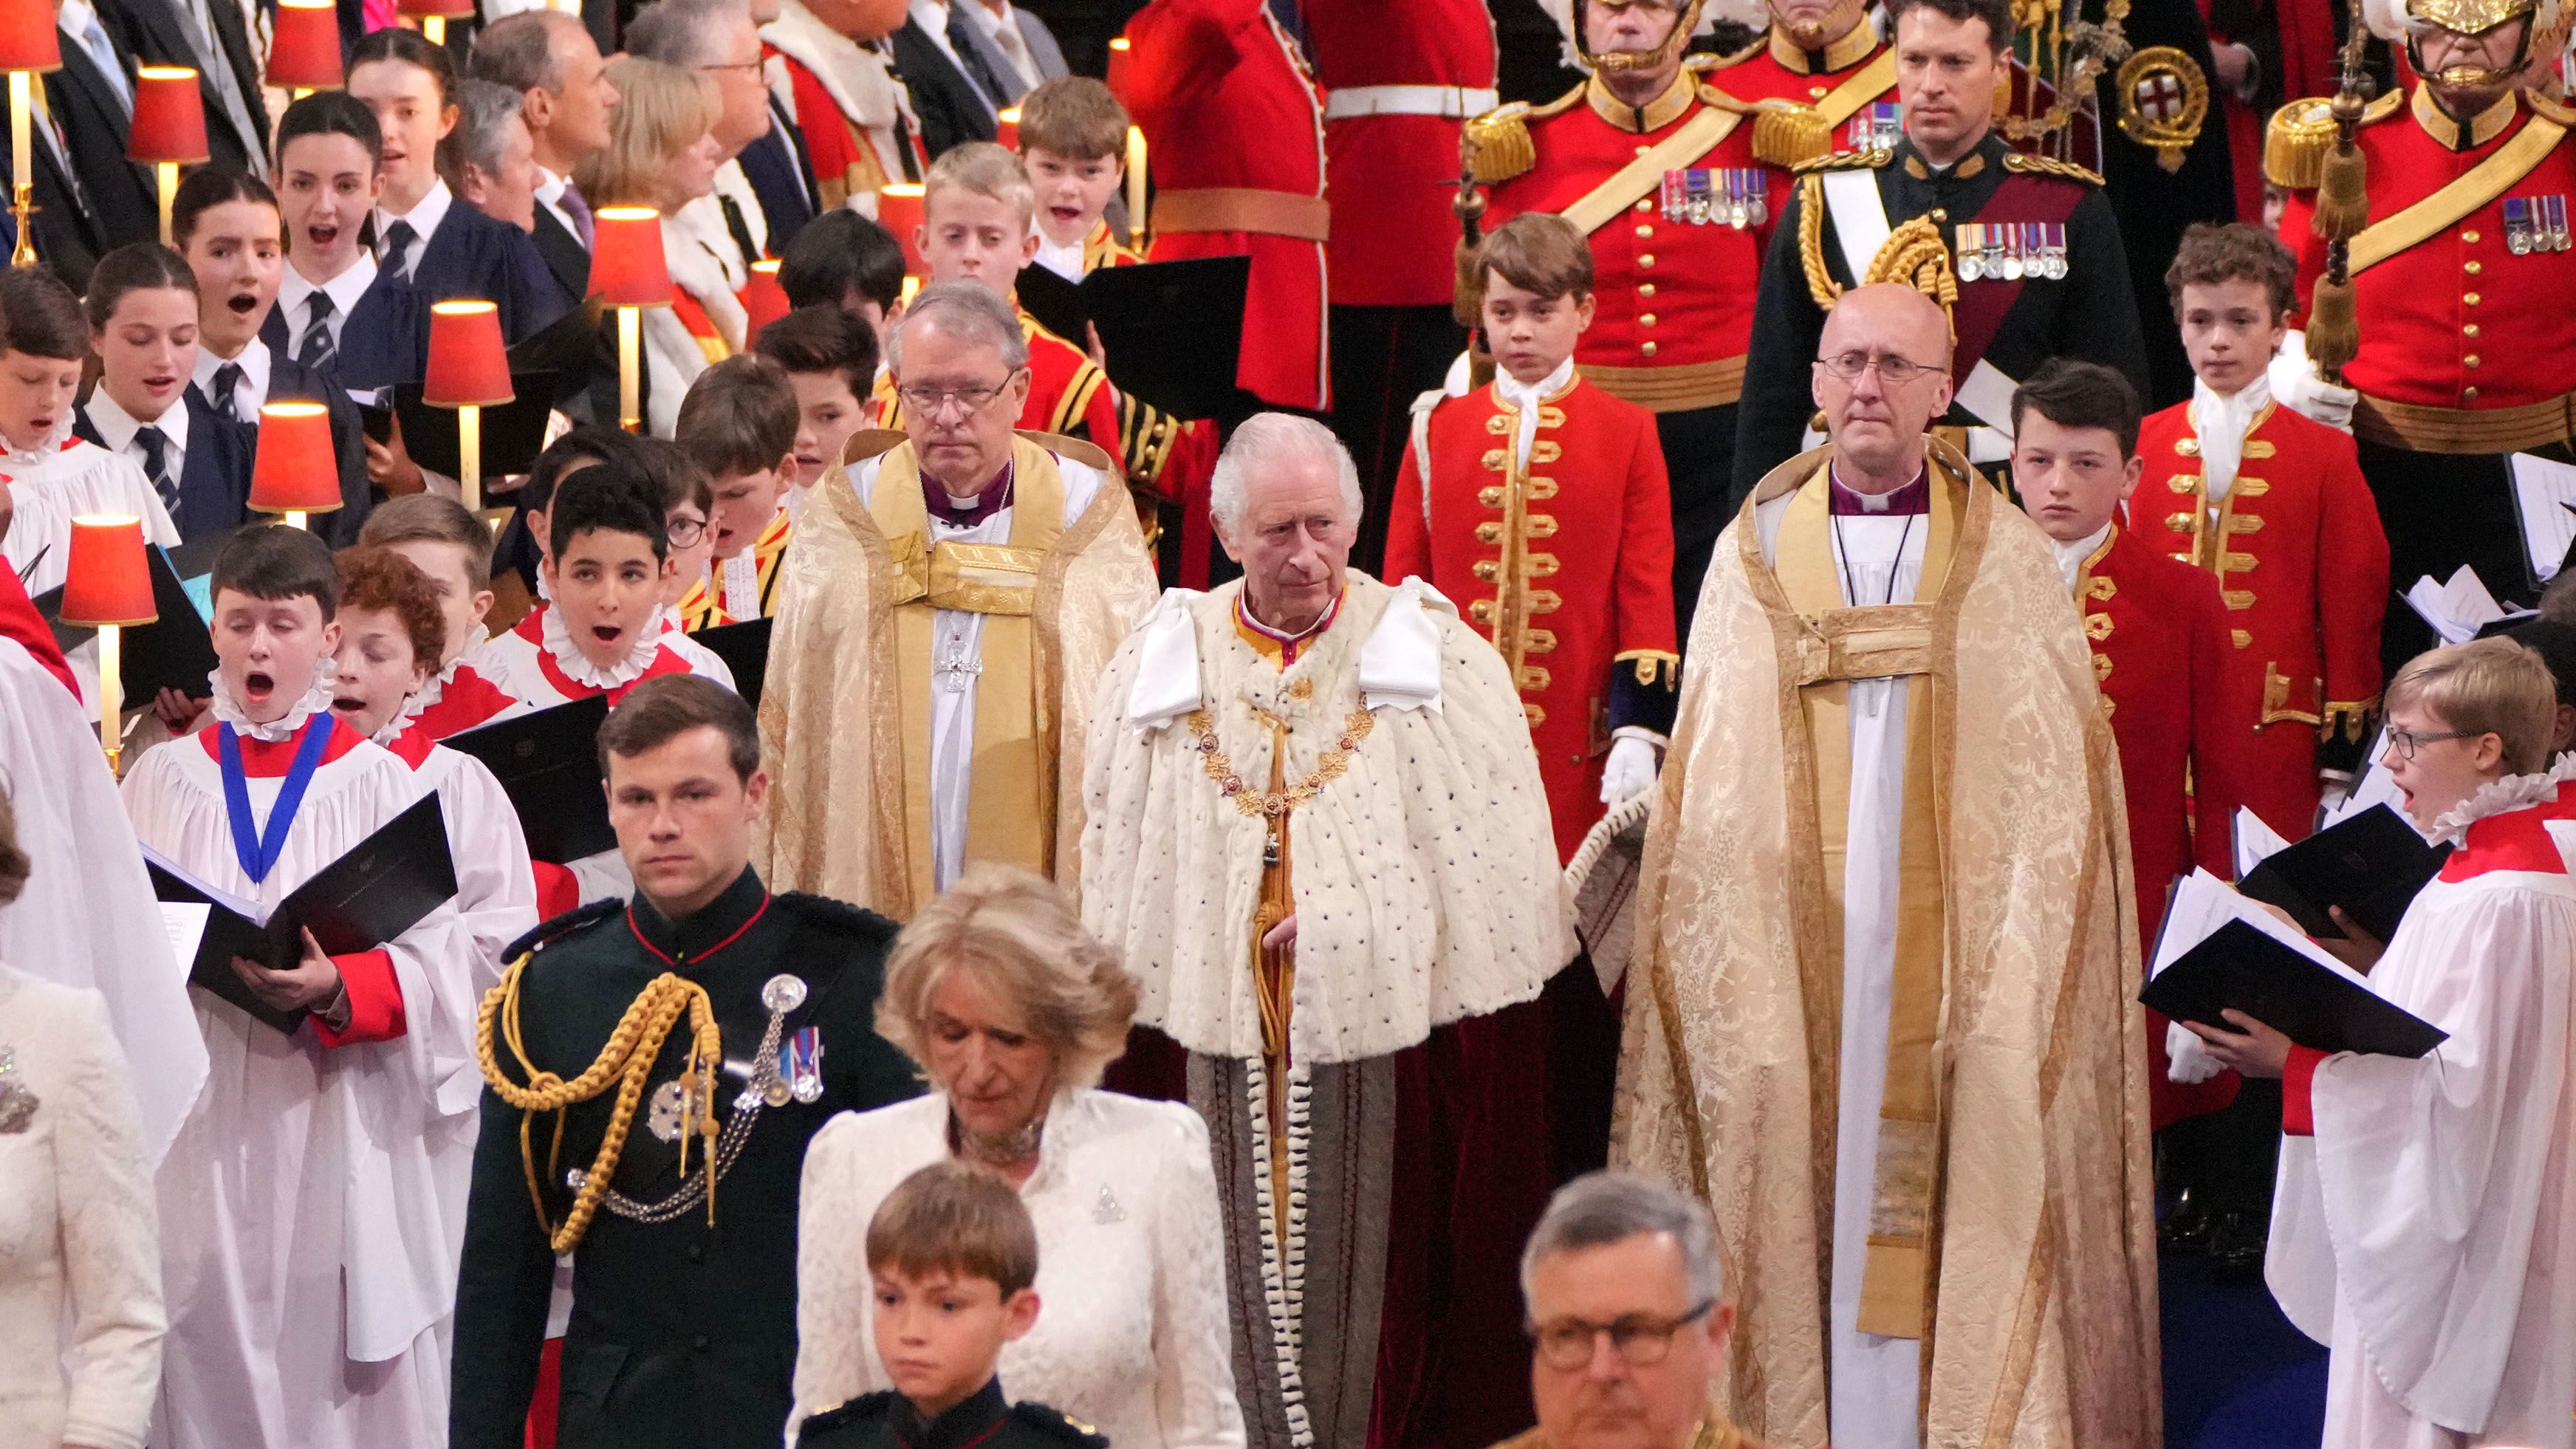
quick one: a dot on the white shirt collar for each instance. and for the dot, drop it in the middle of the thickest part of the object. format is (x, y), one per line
(2071, 556)
(932, 17)
(344, 290)
(75, 17)
(424, 217)
(1526, 399)
(1065, 261)
(2221, 424)
(254, 365)
(558, 641)
(116, 427)
(550, 187)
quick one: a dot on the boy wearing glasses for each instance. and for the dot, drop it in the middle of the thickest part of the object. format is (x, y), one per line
(1539, 503)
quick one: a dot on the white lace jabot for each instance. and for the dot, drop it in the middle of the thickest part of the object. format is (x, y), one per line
(317, 698)
(577, 666)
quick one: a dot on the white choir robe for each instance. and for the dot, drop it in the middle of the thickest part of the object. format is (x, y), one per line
(51, 486)
(87, 917)
(496, 889)
(1876, 1379)
(2427, 1231)
(309, 1255)
(956, 662)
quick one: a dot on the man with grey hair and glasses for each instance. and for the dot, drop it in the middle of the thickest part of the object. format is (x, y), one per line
(1318, 838)
(955, 592)
(1628, 1320)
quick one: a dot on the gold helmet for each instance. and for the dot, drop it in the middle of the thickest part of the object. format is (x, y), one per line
(1686, 22)
(2401, 22)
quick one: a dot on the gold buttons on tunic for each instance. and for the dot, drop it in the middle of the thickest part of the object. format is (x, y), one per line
(2469, 361)
(1645, 203)
(1645, 230)
(2471, 330)
(1645, 289)
(2474, 268)
(2469, 394)
(1648, 320)
(2470, 298)
(2470, 237)
(1648, 349)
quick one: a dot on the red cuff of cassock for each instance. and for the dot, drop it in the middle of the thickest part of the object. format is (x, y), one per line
(558, 891)
(2298, 1113)
(375, 1000)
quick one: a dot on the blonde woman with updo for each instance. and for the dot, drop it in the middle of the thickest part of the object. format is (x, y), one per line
(662, 153)
(1011, 1010)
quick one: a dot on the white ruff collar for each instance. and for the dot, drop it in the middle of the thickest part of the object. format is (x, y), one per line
(45, 451)
(577, 666)
(316, 700)
(2503, 797)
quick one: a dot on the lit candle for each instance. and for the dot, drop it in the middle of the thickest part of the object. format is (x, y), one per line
(1136, 185)
(22, 134)
(630, 349)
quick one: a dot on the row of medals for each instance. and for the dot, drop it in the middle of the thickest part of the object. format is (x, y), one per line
(798, 1078)
(1719, 196)
(2011, 251)
(2536, 224)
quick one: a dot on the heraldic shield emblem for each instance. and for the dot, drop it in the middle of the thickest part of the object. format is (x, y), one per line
(2164, 98)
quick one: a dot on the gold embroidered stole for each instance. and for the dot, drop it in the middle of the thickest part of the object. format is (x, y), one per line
(1010, 812)
(1875, 642)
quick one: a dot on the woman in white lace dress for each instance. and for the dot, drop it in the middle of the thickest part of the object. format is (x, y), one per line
(1012, 1010)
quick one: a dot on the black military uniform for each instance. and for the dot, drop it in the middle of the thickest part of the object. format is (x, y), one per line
(887, 1420)
(2049, 280)
(682, 1334)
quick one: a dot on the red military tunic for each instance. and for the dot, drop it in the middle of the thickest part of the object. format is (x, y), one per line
(2160, 650)
(1583, 598)
(1840, 85)
(1235, 136)
(1399, 83)
(2302, 565)
(1673, 299)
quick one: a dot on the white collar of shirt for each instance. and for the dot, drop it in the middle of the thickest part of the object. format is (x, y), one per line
(2071, 556)
(932, 17)
(1065, 261)
(253, 362)
(294, 293)
(1526, 399)
(550, 187)
(2221, 423)
(424, 219)
(117, 427)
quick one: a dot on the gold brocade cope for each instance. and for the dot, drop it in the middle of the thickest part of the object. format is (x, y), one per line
(1879, 642)
(998, 581)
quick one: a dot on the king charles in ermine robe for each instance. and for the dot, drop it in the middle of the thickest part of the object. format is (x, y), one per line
(1375, 1092)
(1885, 1019)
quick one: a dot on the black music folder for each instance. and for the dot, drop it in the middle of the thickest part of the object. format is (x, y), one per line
(548, 764)
(379, 889)
(744, 648)
(2371, 864)
(175, 651)
(1172, 331)
(2216, 953)
(513, 432)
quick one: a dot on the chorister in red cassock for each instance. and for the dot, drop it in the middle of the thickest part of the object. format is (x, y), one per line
(2301, 563)
(2178, 712)
(1561, 553)
(1234, 127)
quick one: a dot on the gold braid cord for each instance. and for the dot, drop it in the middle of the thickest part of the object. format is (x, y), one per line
(626, 1060)
(1821, 285)
(1913, 255)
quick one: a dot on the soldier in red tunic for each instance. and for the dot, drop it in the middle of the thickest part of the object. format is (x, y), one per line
(1834, 77)
(1235, 128)
(1538, 504)
(1656, 166)
(2460, 282)
(2274, 505)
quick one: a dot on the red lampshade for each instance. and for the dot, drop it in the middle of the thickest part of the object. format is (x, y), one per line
(467, 365)
(169, 116)
(296, 470)
(626, 266)
(27, 37)
(1121, 52)
(423, 9)
(109, 583)
(304, 52)
(900, 210)
(1008, 122)
(763, 298)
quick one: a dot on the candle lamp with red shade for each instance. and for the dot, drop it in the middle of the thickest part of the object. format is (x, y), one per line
(169, 128)
(763, 299)
(433, 15)
(627, 272)
(108, 588)
(296, 471)
(469, 370)
(304, 48)
(29, 46)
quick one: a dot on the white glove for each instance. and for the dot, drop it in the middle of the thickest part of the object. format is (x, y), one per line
(2189, 1061)
(2296, 386)
(1630, 770)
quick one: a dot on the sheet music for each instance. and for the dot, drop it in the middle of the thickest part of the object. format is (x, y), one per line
(2202, 903)
(249, 910)
(185, 922)
(2255, 841)
(2544, 493)
(2457, 608)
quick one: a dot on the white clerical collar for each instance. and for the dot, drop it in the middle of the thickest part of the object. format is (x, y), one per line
(577, 666)
(2221, 422)
(344, 290)
(116, 427)
(252, 360)
(317, 699)
(2071, 556)
(425, 214)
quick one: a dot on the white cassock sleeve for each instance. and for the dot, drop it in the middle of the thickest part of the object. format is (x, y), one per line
(496, 890)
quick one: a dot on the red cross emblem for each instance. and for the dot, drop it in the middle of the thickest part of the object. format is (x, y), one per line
(2159, 96)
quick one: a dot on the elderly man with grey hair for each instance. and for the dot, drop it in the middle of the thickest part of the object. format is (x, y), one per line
(953, 594)
(1628, 1320)
(720, 39)
(554, 66)
(492, 162)
(1318, 837)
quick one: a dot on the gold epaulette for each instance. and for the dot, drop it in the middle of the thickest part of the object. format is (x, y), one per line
(2300, 134)
(2050, 166)
(1786, 133)
(2555, 110)
(1498, 144)
(1869, 160)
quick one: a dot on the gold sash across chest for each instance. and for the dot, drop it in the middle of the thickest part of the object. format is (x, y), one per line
(1013, 728)
(1879, 641)
(1630, 183)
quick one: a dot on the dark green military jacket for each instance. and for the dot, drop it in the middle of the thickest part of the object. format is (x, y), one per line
(682, 1335)
(887, 1420)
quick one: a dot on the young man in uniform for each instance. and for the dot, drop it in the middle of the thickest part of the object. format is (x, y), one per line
(675, 1055)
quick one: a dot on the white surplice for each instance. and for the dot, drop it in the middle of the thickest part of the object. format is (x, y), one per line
(309, 1247)
(2427, 1231)
(956, 662)
(1876, 1379)
(87, 918)
(496, 889)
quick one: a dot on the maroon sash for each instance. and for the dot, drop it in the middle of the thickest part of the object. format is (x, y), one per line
(1982, 305)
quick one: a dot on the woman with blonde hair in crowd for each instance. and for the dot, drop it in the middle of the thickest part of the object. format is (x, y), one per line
(662, 153)
(1012, 1010)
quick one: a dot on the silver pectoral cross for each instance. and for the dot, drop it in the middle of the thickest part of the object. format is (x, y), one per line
(957, 670)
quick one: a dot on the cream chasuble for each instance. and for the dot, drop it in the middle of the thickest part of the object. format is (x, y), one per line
(1849, 924)
(933, 685)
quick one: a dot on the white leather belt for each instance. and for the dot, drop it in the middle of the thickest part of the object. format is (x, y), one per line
(1455, 103)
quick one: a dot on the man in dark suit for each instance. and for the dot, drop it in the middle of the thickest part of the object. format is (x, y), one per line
(779, 168)
(208, 37)
(90, 199)
(549, 58)
(953, 110)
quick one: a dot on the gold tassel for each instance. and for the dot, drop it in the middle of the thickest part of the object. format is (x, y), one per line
(2343, 203)
(1787, 134)
(1467, 293)
(2334, 335)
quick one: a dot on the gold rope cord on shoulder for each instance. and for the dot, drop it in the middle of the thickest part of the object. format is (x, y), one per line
(1821, 285)
(1914, 256)
(627, 1059)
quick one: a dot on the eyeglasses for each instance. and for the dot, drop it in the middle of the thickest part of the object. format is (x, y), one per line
(1566, 1343)
(754, 66)
(2407, 742)
(930, 402)
(1893, 370)
(684, 532)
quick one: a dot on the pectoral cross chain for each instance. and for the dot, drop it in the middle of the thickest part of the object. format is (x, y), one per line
(957, 670)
